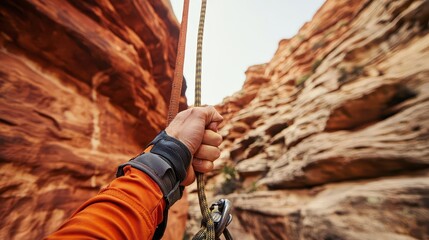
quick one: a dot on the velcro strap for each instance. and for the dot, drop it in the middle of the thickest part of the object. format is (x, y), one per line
(174, 151)
(166, 164)
(160, 171)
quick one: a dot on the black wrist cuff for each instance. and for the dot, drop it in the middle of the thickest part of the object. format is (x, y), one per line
(166, 163)
(174, 151)
(160, 171)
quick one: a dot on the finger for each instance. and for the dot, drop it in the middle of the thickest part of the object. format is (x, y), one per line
(190, 177)
(213, 126)
(207, 152)
(202, 166)
(212, 115)
(212, 138)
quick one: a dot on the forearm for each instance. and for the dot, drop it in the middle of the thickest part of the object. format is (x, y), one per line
(129, 208)
(135, 205)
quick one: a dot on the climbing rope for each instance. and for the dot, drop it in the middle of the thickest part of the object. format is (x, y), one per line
(217, 217)
(176, 87)
(207, 230)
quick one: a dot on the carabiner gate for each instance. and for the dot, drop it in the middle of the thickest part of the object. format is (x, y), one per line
(221, 214)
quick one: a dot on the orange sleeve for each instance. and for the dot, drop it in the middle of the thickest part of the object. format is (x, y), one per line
(129, 208)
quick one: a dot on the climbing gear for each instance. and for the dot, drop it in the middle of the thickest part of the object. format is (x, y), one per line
(176, 87)
(166, 164)
(221, 214)
(210, 229)
(207, 230)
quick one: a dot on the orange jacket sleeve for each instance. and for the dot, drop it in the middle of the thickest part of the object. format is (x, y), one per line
(129, 208)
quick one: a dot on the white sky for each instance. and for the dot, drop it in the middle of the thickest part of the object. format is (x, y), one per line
(237, 35)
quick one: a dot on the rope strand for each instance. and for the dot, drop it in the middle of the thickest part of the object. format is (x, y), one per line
(208, 229)
(176, 87)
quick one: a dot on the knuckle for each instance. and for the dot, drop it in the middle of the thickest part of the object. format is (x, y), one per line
(219, 139)
(191, 111)
(200, 151)
(211, 166)
(183, 114)
(186, 112)
(204, 166)
(217, 153)
(212, 109)
(197, 112)
(208, 166)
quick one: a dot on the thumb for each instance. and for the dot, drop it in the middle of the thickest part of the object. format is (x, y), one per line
(212, 116)
(213, 126)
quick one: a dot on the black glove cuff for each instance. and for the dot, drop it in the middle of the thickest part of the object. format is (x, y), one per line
(166, 164)
(174, 151)
(160, 171)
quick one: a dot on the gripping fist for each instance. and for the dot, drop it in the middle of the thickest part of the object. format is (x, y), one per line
(197, 129)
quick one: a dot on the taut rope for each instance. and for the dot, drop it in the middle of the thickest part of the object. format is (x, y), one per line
(176, 88)
(207, 231)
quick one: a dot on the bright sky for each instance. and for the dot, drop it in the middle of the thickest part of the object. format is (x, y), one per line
(237, 35)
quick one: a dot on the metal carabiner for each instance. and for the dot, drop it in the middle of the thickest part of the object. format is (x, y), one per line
(221, 214)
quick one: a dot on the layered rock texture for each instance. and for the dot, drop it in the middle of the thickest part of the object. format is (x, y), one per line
(83, 87)
(330, 139)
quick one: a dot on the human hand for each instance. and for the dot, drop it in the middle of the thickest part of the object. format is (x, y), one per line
(197, 129)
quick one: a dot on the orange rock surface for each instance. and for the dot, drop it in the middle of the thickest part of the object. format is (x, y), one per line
(84, 85)
(330, 139)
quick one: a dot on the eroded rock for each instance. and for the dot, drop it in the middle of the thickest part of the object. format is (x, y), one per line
(345, 100)
(83, 87)
(385, 208)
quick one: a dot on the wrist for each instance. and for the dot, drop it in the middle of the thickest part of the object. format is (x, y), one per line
(166, 163)
(176, 135)
(175, 152)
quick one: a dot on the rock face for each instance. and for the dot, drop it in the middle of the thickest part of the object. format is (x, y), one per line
(84, 85)
(388, 208)
(330, 139)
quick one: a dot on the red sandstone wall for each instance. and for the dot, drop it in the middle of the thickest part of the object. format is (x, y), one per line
(330, 139)
(84, 86)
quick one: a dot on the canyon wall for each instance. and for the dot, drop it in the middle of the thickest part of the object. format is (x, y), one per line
(84, 85)
(330, 139)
